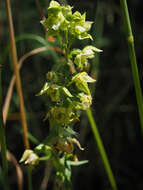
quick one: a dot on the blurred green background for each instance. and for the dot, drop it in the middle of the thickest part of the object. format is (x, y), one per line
(114, 102)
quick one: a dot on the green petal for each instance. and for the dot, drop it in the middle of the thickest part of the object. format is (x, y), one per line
(83, 86)
(74, 52)
(54, 4)
(83, 17)
(67, 11)
(80, 61)
(54, 8)
(67, 92)
(56, 26)
(84, 35)
(44, 89)
(86, 78)
(64, 25)
(83, 77)
(89, 48)
(78, 163)
(79, 29)
(76, 16)
(87, 25)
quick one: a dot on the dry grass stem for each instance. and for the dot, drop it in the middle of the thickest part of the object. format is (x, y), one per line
(12, 82)
(16, 71)
(19, 173)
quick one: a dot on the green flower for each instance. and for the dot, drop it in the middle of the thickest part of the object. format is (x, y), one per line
(60, 18)
(61, 115)
(82, 56)
(55, 18)
(79, 27)
(86, 101)
(53, 90)
(81, 80)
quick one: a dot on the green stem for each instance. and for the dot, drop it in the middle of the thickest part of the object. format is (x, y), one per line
(101, 149)
(132, 55)
(3, 141)
(29, 177)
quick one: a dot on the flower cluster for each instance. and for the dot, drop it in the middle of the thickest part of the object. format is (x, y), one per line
(61, 19)
(67, 92)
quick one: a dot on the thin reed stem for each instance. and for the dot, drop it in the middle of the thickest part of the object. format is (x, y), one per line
(16, 71)
(18, 84)
(3, 141)
(101, 150)
(132, 56)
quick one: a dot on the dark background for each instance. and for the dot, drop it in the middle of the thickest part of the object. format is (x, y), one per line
(114, 101)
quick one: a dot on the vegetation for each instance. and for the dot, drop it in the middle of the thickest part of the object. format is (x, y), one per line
(57, 122)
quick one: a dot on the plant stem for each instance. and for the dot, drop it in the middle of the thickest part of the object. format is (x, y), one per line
(18, 83)
(16, 71)
(3, 141)
(29, 177)
(132, 56)
(101, 149)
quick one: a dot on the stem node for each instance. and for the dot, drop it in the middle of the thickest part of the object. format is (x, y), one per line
(130, 39)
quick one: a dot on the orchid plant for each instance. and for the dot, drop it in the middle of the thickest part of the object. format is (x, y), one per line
(67, 93)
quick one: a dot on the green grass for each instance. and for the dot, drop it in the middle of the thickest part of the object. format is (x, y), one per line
(132, 56)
